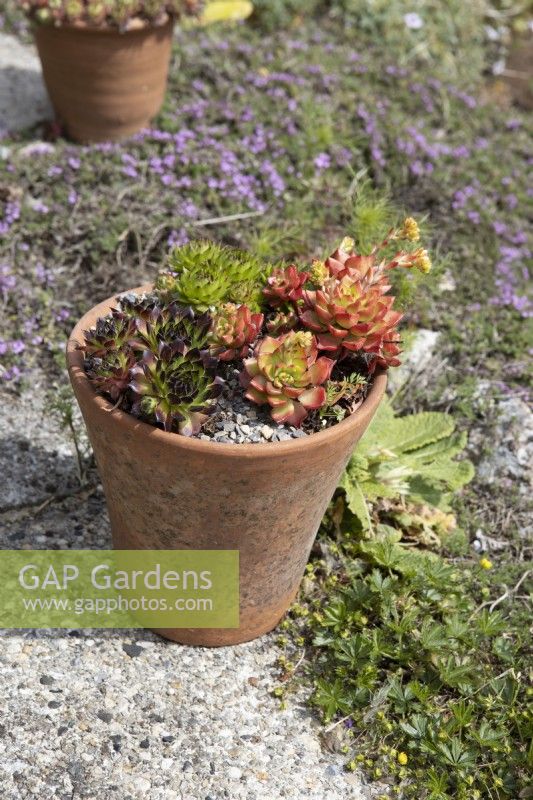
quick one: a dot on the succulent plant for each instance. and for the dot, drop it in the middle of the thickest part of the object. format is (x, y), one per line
(282, 322)
(285, 285)
(348, 316)
(114, 13)
(173, 388)
(286, 373)
(234, 329)
(205, 275)
(110, 335)
(154, 359)
(111, 373)
(161, 355)
(171, 324)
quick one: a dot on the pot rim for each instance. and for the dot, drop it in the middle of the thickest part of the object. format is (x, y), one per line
(138, 24)
(131, 425)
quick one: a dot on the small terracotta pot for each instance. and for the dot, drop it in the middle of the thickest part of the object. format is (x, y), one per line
(105, 85)
(165, 491)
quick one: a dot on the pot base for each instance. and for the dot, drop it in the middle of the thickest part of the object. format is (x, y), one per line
(226, 637)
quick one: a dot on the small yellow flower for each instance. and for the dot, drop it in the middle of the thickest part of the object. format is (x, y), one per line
(485, 563)
(402, 759)
(347, 245)
(422, 260)
(319, 272)
(410, 230)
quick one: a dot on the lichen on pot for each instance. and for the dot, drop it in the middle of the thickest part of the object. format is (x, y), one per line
(226, 348)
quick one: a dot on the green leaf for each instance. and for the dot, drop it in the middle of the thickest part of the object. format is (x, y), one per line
(355, 652)
(331, 697)
(356, 501)
(432, 636)
(403, 434)
(453, 474)
(486, 736)
(448, 446)
(456, 754)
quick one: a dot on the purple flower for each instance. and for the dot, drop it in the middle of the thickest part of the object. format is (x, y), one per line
(461, 152)
(8, 281)
(17, 346)
(322, 161)
(39, 149)
(39, 206)
(177, 238)
(12, 374)
(43, 275)
(413, 21)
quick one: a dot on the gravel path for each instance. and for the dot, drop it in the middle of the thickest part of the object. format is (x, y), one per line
(120, 715)
(23, 98)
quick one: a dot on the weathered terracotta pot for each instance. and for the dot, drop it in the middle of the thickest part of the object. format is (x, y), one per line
(105, 85)
(166, 491)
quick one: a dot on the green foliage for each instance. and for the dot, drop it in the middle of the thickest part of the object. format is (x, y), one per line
(446, 30)
(410, 459)
(373, 216)
(273, 14)
(206, 275)
(403, 649)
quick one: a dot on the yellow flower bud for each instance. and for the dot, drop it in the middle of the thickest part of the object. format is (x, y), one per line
(410, 230)
(402, 759)
(422, 261)
(319, 273)
(485, 563)
(347, 245)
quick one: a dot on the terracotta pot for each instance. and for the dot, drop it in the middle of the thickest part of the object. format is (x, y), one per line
(165, 491)
(105, 85)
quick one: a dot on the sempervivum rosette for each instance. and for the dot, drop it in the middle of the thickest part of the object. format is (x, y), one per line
(287, 374)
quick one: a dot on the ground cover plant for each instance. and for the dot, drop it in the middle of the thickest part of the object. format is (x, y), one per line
(420, 667)
(278, 144)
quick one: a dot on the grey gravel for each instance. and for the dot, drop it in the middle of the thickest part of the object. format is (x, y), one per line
(236, 421)
(23, 98)
(132, 650)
